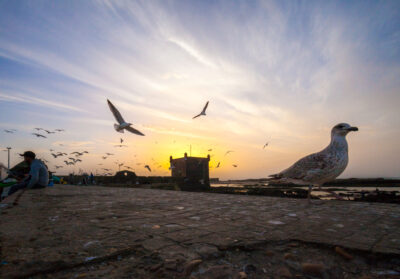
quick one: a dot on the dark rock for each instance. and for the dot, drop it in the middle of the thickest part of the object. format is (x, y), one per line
(249, 268)
(190, 266)
(313, 269)
(283, 272)
(220, 272)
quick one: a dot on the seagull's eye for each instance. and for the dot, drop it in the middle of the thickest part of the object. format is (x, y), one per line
(340, 126)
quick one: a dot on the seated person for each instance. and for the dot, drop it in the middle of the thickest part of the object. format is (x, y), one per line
(38, 174)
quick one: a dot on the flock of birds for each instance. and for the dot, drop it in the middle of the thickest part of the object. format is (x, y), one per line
(47, 131)
(312, 170)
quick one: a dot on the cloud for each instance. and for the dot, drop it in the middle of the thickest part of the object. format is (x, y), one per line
(23, 98)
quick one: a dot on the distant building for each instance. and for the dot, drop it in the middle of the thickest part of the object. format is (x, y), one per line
(193, 171)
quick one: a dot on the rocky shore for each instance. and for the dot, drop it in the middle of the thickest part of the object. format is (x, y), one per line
(102, 232)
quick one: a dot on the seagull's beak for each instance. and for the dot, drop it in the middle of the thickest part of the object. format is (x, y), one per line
(352, 129)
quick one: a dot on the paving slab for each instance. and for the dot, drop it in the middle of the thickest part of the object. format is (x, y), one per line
(92, 232)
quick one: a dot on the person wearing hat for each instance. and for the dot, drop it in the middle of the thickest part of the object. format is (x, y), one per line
(38, 174)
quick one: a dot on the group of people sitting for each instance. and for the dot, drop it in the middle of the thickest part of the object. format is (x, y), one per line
(37, 177)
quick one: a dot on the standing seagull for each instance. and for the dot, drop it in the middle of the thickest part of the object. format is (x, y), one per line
(321, 167)
(203, 112)
(122, 125)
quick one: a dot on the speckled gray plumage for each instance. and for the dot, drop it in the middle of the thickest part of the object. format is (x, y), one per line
(320, 167)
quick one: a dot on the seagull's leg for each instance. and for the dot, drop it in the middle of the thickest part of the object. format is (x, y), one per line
(309, 197)
(309, 194)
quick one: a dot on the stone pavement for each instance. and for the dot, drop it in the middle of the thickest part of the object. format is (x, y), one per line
(94, 232)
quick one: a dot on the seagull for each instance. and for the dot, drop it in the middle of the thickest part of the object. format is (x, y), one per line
(10, 131)
(209, 150)
(227, 152)
(120, 145)
(59, 130)
(320, 167)
(147, 167)
(55, 155)
(235, 166)
(218, 165)
(265, 145)
(121, 140)
(122, 125)
(39, 135)
(38, 129)
(57, 167)
(49, 132)
(104, 157)
(203, 112)
(109, 154)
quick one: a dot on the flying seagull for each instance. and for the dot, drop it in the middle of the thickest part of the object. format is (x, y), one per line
(147, 167)
(218, 165)
(121, 140)
(320, 167)
(203, 112)
(49, 132)
(39, 135)
(120, 145)
(122, 125)
(109, 154)
(265, 145)
(227, 152)
(235, 166)
(10, 131)
(59, 130)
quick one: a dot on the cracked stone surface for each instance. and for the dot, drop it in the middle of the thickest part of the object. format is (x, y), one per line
(93, 232)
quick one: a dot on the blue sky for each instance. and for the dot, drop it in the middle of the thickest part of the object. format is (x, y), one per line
(277, 71)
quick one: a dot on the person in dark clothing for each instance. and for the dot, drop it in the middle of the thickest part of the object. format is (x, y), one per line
(38, 174)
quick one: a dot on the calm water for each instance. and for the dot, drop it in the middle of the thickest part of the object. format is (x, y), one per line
(316, 192)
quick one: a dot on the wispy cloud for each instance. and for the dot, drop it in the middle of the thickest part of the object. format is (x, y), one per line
(22, 98)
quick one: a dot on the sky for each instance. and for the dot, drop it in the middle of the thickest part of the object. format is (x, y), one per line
(282, 72)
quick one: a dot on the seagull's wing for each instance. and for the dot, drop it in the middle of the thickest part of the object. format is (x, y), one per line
(308, 167)
(133, 130)
(196, 116)
(205, 107)
(115, 112)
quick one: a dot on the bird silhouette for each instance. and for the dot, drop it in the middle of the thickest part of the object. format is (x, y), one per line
(203, 112)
